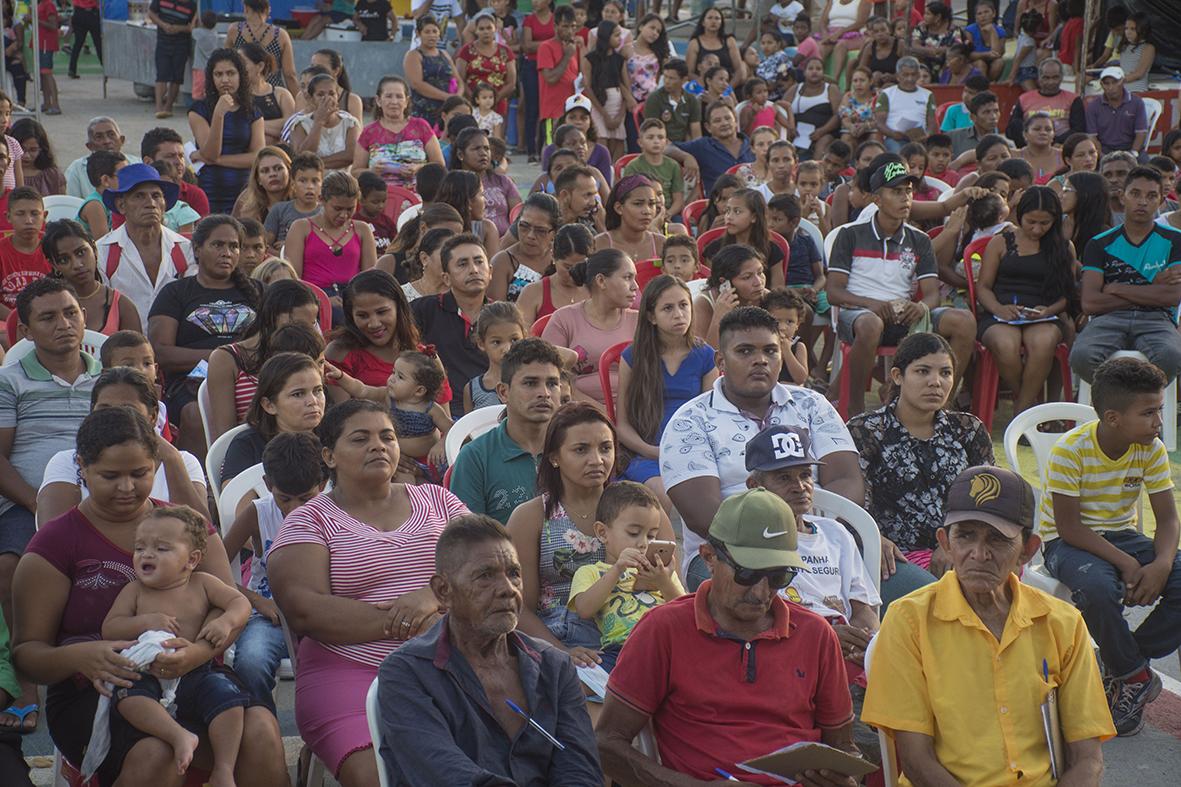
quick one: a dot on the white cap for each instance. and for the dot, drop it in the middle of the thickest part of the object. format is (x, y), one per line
(578, 101)
(1115, 72)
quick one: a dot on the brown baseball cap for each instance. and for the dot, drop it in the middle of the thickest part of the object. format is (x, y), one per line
(993, 495)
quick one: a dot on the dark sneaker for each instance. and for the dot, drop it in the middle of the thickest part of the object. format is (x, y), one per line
(1127, 705)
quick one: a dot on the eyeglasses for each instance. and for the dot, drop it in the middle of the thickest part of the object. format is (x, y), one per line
(525, 228)
(777, 578)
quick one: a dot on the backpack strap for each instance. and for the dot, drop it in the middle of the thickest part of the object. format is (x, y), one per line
(115, 255)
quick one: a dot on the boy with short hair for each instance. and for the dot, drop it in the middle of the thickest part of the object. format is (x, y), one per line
(371, 209)
(307, 175)
(102, 170)
(626, 520)
(957, 114)
(805, 269)
(132, 348)
(939, 159)
(835, 162)
(294, 474)
(169, 594)
(21, 258)
(1088, 518)
(658, 167)
(254, 245)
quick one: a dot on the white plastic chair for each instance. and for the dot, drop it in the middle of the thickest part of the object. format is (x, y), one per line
(61, 206)
(407, 214)
(1170, 413)
(944, 196)
(92, 343)
(831, 238)
(817, 238)
(472, 426)
(937, 184)
(372, 716)
(214, 458)
(249, 480)
(1153, 109)
(205, 408)
(890, 767)
(833, 506)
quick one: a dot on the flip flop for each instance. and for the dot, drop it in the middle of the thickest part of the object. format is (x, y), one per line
(20, 714)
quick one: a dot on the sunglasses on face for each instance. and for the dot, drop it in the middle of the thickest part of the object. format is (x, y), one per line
(777, 578)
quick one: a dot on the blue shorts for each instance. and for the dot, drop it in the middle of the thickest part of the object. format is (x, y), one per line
(1027, 74)
(201, 696)
(17, 526)
(46, 61)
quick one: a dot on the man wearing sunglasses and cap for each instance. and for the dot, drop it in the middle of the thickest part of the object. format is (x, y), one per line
(874, 268)
(770, 673)
(1014, 641)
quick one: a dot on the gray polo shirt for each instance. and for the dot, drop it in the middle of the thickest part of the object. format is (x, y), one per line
(45, 411)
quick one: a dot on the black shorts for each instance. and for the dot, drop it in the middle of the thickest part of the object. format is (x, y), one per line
(171, 61)
(179, 393)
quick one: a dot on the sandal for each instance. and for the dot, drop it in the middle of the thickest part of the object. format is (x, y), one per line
(20, 714)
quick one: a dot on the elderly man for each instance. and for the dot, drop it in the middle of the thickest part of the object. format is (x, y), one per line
(102, 133)
(905, 112)
(731, 672)
(1064, 107)
(1117, 119)
(703, 448)
(143, 255)
(1015, 642)
(472, 701)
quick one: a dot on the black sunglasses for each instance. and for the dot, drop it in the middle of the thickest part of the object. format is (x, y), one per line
(777, 578)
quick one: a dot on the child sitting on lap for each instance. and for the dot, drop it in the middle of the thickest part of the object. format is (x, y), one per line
(168, 595)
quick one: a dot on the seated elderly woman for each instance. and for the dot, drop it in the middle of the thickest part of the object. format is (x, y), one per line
(67, 581)
(350, 571)
(427, 689)
(980, 620)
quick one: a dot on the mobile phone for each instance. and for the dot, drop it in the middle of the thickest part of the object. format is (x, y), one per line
(662, 550)
(725, 287)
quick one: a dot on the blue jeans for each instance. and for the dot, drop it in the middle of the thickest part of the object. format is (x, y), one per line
(1152, 333)
(907, 577)
(696, 573)
(257, 653)
(529, 78)
(1098, 591)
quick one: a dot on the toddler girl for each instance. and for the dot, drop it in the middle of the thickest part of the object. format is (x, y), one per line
(485, 114)
(498, 327)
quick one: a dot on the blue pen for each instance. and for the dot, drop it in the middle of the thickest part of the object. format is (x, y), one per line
(725, 775)
(1046, 670)
(517, 709)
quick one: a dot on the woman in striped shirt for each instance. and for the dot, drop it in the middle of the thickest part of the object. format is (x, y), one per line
(350, 570)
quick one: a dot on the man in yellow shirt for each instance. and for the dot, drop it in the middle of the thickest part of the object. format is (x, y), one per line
(1013, 641)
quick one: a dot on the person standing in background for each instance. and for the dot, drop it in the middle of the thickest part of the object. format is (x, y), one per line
(174, 20)
(86, 19)
(48, 22)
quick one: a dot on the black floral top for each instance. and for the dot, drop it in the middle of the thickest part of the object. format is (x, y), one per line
(954, 35)
(906, 479)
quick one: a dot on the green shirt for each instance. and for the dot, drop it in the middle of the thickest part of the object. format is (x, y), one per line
(667, 174)
(493, 475)
(676, 115)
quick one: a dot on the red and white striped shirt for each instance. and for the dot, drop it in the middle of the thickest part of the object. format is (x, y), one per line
(373, 565)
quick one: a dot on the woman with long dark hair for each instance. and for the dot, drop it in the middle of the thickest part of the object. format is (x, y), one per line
(1086, 204)
(737, 277)
(1024, 294)
(38, 163)
(378, 327)
(631, 211)
(524, 262)
(255, 29)
(605, 75)
(269, 183)
(472, 151)
(463, 190)
(430, 72)
(745, 221)
(1080, 153)
(73, 256)
(274, 103)
(573, 243)
(665, 366)
(227, 128)
(194, 315)
(331, 61)
(710, 37)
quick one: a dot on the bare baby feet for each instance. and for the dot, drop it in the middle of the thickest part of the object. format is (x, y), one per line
(183, 747)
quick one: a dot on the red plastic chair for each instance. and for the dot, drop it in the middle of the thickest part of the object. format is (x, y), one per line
(10, 324)
(933, 233)
(515, 212)
(447, 477)
(638, 116)
(692, 212)
(941, 110)
(609, 358)
(784, 247)
(646, 271)
(539, 325)
(706, 238)
(325, 316)
(987, 381)
(624, 160)
(398, 199)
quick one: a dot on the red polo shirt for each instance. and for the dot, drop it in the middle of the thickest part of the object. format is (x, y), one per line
(716, 700)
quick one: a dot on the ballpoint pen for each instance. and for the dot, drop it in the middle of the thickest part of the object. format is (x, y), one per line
(725, 775)
(517, 709)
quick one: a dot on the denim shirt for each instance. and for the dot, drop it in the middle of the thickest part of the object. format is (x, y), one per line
(714, 159)
(437, 726)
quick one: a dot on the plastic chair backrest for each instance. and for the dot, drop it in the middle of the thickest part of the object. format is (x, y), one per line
(249, 480)
(691, 213)
(398, 199)
(216, 456)
(205, 408)
(92, 344)
(890, 768)
(61, 206)
(646, 271)
(1026, 425)
(405, 216)
(941, 112)
(609, 358)
(1153, 109)
(372, 716)
(515, 212)
(324, 319)
(624, 160)
(817, 238)
(936, 183)
(539, 324)
(834, 506)
(706, 238)
(474, 424)
(785, 248)
(973, 252)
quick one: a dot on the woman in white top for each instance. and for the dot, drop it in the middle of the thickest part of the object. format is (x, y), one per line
(327, 130)
(181, 482)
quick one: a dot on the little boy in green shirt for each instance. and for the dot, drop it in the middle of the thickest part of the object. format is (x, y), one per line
(658, 167)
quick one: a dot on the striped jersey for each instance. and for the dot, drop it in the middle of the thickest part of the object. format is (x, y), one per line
(885, 268)
(1108, 489)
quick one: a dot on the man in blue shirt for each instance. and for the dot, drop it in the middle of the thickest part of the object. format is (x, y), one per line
(713, 155)
(1117, 119)
(1132, 284)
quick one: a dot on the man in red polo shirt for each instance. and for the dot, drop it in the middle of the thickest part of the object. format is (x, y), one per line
(732, 671)
(558, 64)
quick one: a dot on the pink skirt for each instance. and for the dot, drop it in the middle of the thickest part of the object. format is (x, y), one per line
(612, 106)
(330, 703)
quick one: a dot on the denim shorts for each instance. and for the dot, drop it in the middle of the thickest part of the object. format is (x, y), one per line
(571, 630)
(201, 696)
(17, 526)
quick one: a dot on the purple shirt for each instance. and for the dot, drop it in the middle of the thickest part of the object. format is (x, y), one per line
(1116, 127)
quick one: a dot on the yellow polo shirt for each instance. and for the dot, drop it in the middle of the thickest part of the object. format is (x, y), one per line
(937, 670)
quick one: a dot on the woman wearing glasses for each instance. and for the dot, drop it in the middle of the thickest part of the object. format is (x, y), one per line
(517, 266)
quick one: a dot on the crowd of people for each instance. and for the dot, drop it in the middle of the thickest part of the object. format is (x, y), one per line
(672, 336)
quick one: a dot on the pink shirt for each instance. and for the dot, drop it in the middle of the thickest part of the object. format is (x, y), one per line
(569, 327)
(371, 565)
(390, 152)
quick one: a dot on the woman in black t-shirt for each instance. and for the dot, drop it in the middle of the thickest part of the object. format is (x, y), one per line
(194, 315)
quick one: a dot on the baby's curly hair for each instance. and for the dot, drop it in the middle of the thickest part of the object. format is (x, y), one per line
(195, 526)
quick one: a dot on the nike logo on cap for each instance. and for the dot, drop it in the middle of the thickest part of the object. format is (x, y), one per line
(768, 534)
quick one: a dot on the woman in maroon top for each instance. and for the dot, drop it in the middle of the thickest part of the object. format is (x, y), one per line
(64, 586)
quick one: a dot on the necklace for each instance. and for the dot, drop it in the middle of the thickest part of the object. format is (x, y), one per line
(98, 285)
(337, 247)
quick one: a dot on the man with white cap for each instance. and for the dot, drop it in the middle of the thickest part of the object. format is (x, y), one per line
(732, 671)
(1015, 642)
(1117, 119)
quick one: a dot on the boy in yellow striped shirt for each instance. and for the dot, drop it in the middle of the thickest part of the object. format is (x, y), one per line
(1088, 521)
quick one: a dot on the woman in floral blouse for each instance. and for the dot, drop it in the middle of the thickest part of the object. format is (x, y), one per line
(911, 450)
(929, 41)
(487, 61)
(554, 532)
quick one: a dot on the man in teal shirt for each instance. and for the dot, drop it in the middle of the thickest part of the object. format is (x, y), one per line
(497, 471)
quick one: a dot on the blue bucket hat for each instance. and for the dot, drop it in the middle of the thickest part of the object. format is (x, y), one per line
(134, 175)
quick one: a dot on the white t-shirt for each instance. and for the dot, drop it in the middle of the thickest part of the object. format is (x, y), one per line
(786, 14)
(270, 519)
(62, 470)
(836, 573)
